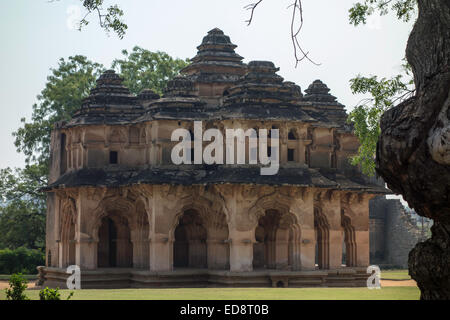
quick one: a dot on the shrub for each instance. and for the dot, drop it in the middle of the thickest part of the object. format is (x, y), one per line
(21, 260)
(17, 287)
(52, 294)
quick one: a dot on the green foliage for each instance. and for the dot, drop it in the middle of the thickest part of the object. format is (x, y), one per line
(22, 223)
(109, 19)
(367, 114)
(384, 92)
(20, 183)
(52, 294)
(143, 69)
(20, 260)
(49, 294)
(404, 9)
(17, 287)
(66, 87)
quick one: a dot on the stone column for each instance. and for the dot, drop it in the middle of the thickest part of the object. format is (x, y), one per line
(86, 243)
(331, 207)
(362, 248)
(161, 242)
(336, 240)
(86, 254)
(161, 253)
(307, 249)
(241, 250)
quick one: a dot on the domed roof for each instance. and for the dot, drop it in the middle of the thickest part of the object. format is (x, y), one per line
(319, 92)
(261, 85)
(214, 38)
(148, 94)
(216, 60)
(109, 102)
(179, 86)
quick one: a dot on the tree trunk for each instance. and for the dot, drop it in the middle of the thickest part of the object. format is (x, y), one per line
(413, 152)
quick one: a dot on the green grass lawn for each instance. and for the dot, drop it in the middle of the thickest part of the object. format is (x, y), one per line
(387, 293)
(395, 274)
(5, 277)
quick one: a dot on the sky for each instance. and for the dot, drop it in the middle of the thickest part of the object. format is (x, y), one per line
(35, 34)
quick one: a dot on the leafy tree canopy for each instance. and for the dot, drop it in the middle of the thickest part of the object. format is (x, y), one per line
(109, 19)
(384, 93)
(404, 9)
(22, 223)
(367, 114)
(143, 69)
(64, 91)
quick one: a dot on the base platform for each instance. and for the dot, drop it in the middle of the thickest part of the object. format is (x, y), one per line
(111, 278)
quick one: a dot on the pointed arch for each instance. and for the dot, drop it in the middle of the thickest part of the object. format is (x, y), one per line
(277, 233)
(349, 240)
(322, 233)
(68, 232)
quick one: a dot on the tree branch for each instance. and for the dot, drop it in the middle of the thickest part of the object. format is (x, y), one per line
(297, 15)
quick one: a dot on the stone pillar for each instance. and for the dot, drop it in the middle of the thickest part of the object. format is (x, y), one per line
(330, 202)
(307, 249)
(86, 243)
(241, 250)
(161, 253)
(362, 248)
(60, 251)
(336, 240)
(295, 256)
(86, 254)
(161, 242)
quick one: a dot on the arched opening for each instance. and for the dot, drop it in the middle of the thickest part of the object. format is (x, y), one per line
(333, 160)
(63, 154)
(189, 248)
(349, 242)
(292, 135)
(68, 241)
(321, 229)
(114, 247)
(276, 238)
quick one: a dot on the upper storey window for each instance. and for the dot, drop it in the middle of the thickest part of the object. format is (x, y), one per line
(291, 135)
(113, 157)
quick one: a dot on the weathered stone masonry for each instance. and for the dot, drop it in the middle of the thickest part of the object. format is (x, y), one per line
(120, 209)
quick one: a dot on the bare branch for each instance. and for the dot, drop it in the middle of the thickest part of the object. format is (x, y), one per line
(252, 7)
(297, 15)
(297, 6)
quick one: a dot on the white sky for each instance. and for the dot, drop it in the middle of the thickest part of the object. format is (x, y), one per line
(36, 33)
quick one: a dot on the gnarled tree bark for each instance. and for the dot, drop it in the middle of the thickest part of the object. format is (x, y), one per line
(413, 151)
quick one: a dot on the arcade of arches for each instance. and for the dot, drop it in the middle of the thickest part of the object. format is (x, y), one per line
(238, 229)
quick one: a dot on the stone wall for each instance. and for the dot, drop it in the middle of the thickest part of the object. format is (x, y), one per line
(392, 233)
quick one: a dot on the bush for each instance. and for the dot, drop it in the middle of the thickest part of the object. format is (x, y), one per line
(52, 294)
(21, 260)
(17, 287)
